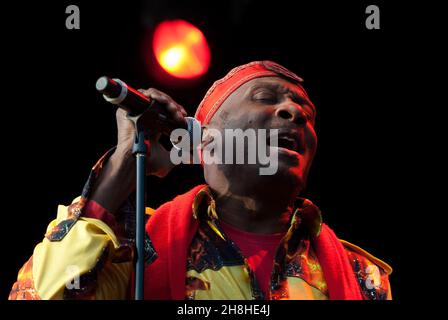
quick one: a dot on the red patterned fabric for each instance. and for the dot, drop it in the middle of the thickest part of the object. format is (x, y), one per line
(238, 76)
(259, 249)
(172, 227)
(338, 272)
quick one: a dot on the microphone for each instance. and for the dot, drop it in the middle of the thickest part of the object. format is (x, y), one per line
(119, 93)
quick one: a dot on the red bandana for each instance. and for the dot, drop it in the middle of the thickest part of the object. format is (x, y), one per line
(238, 76)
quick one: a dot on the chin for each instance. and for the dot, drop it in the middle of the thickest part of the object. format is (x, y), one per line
(287, 178)
(293, 177)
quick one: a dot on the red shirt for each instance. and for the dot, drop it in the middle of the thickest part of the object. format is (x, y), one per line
(258, 249)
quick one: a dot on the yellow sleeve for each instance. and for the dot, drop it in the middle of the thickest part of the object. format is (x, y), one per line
(87, 263)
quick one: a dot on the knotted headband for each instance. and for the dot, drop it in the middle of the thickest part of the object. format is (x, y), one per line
(223, 88)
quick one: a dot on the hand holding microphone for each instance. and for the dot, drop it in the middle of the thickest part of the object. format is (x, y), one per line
(162, 116)
(148, 109)
(163, 111)
(117, 178)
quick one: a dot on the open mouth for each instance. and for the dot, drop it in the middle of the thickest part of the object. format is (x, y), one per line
(288, 141)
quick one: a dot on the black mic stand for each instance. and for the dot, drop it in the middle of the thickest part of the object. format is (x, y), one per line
(145, 114)
(140, 149)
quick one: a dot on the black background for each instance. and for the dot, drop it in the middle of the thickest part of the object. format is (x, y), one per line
(56, 125)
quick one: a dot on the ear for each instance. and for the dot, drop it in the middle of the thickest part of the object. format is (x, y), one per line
(206, 137)
(205, 140)
(200, 147)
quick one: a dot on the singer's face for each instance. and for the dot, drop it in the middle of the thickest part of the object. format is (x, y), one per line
(267, 103)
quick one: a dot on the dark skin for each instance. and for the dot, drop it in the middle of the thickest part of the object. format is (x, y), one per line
(245, 199)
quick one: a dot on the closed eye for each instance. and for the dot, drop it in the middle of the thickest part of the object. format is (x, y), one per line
(265, 96)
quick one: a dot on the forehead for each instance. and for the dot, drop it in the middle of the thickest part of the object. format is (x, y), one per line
(276, 83)
(252, 86)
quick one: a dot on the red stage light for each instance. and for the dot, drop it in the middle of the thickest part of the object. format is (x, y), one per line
(181, 49)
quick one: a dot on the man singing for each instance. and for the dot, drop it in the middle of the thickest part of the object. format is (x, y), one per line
(242, 235)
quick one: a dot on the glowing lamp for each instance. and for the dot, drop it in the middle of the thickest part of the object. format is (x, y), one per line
(181, 49)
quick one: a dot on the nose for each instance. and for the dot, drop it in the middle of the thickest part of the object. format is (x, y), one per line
(292, 112)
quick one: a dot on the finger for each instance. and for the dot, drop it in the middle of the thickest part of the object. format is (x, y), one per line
(156, 94)
(174, 108)
(184, 113)
(162, 98)
(121, 115)
(175, 111)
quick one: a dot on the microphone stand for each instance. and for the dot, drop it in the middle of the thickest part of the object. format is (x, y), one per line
(140, 149)
(117, 92)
